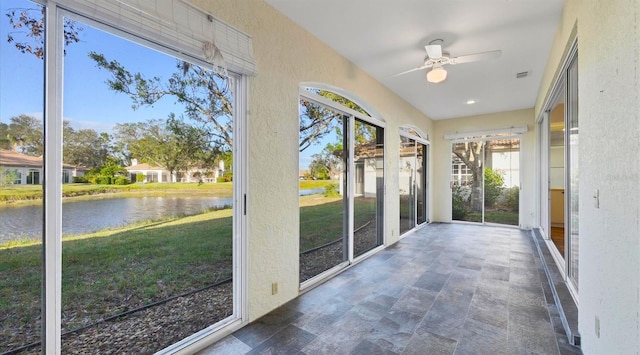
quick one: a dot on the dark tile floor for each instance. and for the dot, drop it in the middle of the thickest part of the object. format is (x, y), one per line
(445, 289)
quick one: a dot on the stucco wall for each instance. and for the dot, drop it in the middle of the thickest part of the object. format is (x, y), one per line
(442, 159)
(608, 72)
(286, 55)
(608, 82)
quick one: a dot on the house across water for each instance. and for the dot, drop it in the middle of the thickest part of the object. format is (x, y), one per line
(21, 169)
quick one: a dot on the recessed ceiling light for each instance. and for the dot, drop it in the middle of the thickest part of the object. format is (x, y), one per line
(471, 102)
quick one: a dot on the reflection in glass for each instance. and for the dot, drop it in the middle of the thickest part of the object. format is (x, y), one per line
(407, 183)
(369, 187)
(573, 135)
(323, 217)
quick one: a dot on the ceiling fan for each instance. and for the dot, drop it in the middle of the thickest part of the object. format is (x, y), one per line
(436, 58)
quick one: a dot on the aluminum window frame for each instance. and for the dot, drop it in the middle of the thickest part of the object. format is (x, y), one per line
(351, 115)
(52, 186)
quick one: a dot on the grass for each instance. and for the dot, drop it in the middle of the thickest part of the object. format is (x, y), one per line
(314, 184)
(110, 271)
(26, 193)
(15, 193)
(321, 218)
(107, 272)
(500, 217)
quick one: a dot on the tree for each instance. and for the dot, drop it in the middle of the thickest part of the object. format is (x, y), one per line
(204, 94)
(29, 26)
(84, 147)
(326, 163)
(317, 121)
(171, 144)
(26, 135)
(4, 136)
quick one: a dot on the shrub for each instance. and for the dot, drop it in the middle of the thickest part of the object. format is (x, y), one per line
(139, 177)
(512, 198)
(103, 180)
(493, 182)
(80, 179)
(220, 179)
(121, 180)
(228, 176)
(459, 208)
(331, 191)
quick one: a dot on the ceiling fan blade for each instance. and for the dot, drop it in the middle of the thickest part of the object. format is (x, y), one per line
(434, 50)
(411, 70)
(476, 57)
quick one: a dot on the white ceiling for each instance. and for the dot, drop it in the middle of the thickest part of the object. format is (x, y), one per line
(385, 37)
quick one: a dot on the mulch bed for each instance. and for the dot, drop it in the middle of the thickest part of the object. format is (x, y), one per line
(152, 329)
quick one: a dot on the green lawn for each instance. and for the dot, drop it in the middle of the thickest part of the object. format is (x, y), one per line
(501, 217)
(321, 218)
(108, 272)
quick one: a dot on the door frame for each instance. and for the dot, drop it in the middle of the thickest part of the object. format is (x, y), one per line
(511, 133)
(419, 140)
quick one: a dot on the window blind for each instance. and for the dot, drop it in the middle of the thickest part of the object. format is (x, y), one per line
(174, 24)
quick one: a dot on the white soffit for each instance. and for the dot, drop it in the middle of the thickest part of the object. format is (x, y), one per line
(385, 37)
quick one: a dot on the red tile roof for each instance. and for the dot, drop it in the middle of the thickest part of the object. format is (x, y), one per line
(11, 158)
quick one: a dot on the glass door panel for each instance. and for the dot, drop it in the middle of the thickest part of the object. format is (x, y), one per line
(407, 184)
(21, 148)
(572, 135)
(369, 194)
(557, 172)
(502, 181)
(130, 259)
(421, 183)
(324, 216)
(467, 180)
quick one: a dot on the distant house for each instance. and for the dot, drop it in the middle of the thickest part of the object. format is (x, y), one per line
(152, 173)
(24, 169)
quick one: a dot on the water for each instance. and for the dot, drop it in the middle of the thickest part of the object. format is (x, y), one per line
(87, 216)
(306, 192)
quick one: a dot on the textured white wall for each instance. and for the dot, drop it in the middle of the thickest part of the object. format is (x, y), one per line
(286, 56)
(608, 81)
(609, 106)
(442, 159)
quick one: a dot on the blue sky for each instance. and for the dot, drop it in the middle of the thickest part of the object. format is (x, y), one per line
(88, 102)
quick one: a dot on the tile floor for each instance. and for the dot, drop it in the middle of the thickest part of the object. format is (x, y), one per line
(445, 289)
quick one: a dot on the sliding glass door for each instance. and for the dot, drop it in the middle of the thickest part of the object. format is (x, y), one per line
(413, 182)
(572, 180)
(485, 180)
(124, 272)
(342, 154)
(559, 158)
(467, 181)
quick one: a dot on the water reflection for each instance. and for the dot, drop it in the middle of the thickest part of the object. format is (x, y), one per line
(93, 215)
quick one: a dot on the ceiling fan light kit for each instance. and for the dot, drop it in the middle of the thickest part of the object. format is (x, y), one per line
(436, 75)
(436, 58)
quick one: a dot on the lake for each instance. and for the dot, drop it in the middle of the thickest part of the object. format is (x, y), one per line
(87, 216)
